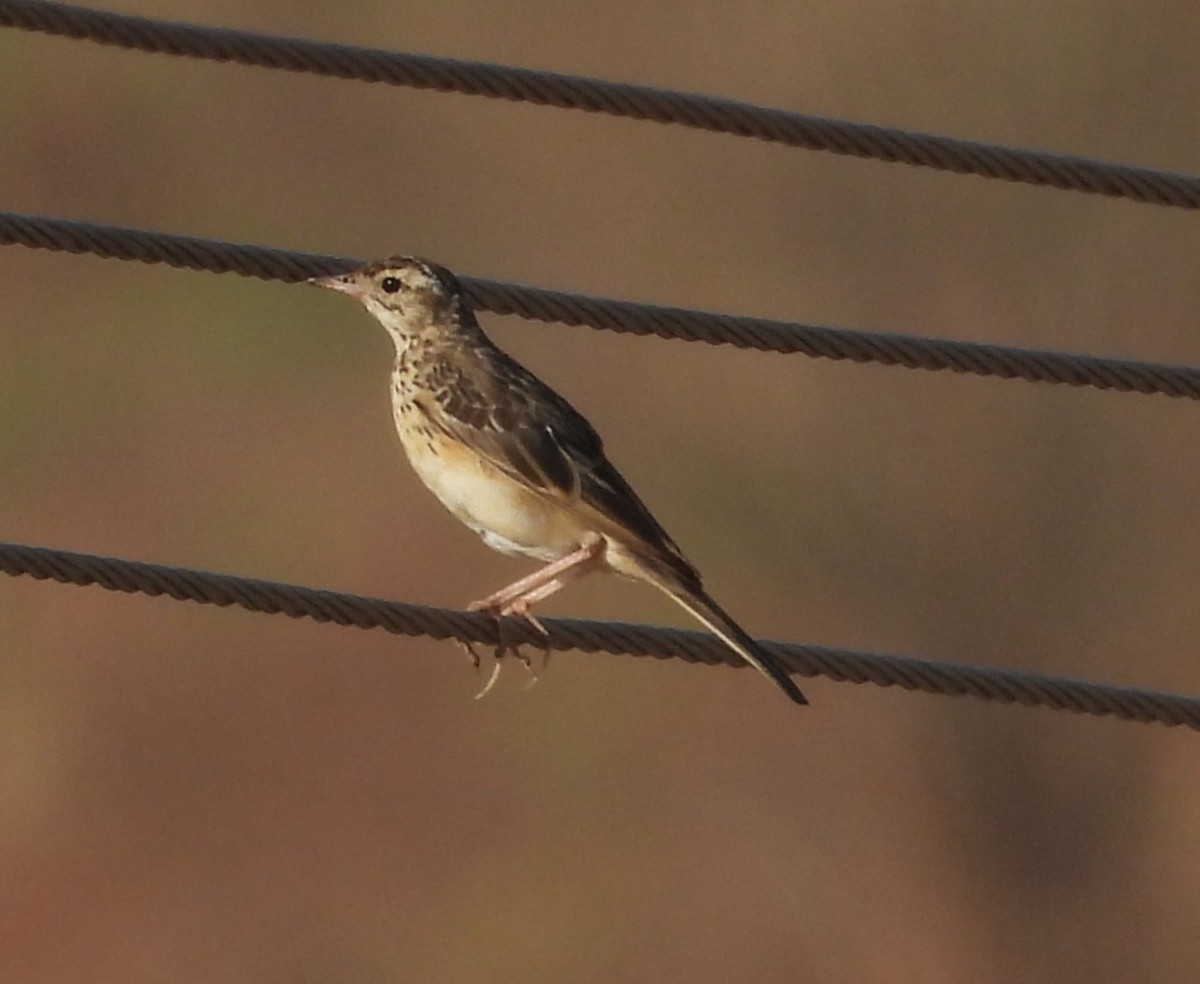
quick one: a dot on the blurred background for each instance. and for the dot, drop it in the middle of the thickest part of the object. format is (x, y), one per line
(194, 794)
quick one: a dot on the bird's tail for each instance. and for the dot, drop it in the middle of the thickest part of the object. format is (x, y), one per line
(713, 616)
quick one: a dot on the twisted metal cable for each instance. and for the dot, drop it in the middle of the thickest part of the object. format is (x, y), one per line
(612, 98)
(766, 335)
(618, 638)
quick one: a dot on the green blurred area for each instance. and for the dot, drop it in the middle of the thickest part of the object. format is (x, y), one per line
(193, 794)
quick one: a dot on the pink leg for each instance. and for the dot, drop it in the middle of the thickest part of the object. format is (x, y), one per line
(520, 605)
(497, 601)
(518, 597)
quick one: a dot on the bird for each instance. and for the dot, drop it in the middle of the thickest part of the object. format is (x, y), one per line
(514, 461)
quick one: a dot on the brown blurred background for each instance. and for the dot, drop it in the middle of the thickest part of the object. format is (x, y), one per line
(189, 794)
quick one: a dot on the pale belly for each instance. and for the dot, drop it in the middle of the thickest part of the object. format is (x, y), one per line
(507, 515)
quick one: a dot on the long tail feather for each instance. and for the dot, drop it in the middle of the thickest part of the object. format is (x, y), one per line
(708, 612)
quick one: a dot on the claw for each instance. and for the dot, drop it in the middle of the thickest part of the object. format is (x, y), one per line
(472, 654)
(491, 681)
(521, 610)
(497, 653)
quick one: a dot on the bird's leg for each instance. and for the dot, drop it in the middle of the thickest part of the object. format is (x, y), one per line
(497, 604)
(498, 600)
(518, 597)
(520, 607)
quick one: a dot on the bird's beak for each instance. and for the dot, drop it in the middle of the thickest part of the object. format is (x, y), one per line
(343, 282)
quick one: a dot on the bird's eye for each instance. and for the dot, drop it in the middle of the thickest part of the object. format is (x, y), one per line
(390, 284)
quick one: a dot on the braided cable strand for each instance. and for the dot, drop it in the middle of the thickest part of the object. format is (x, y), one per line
(819, 342)
(1005, 686)
(595, 96)
(765, 335)
(181, 252)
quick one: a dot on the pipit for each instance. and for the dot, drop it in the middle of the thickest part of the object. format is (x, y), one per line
(515, 461)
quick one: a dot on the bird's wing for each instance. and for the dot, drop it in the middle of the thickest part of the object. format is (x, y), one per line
(529, 432)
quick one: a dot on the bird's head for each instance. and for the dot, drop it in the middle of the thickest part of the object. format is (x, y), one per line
(407, 295)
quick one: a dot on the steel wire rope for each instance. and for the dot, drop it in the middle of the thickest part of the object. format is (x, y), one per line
(617, 638)
(344, 61)
(909, 351)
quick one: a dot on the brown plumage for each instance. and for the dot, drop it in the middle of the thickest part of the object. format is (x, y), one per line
(515, 461)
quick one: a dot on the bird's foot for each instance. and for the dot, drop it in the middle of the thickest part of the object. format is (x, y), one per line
(477, 663)
(503, 647)
(520, 609)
